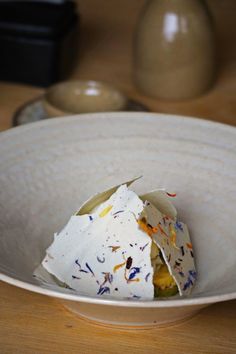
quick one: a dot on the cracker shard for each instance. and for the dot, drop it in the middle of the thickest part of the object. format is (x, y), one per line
(105, 248)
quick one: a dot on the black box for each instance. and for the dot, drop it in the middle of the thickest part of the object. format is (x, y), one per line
(38, 41)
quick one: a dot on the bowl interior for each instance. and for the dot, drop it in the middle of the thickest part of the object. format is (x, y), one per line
(48, 169)
(85, 96)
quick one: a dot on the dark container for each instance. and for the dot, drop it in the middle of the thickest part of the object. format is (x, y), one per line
(38, 41)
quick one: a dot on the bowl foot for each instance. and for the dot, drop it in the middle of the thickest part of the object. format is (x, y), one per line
(130, 318)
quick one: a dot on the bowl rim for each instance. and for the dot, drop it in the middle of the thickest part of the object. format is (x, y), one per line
(197, 121)
(203, 300)
(155, 303)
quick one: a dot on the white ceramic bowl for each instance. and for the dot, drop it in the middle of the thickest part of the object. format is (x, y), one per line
(48, 169)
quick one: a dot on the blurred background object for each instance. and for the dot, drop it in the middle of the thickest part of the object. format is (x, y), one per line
(38, 40)
(174, 49)
(105, 54)
(76, 96)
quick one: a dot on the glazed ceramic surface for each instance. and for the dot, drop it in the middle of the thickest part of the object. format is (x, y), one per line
(34, 111)
(174, 49)
(77, 96)
(47, 169)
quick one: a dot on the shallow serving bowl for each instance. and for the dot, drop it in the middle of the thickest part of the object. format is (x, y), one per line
(48, 169)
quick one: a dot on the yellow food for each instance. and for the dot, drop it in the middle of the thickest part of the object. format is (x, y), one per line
(166, 292)
(164, 283)
(162, 278)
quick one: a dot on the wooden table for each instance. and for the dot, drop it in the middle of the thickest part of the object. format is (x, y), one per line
(32, 323)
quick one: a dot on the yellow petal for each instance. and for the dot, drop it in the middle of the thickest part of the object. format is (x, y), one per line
(105, 211)
(118, 266)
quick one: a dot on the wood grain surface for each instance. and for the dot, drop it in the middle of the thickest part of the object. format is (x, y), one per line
(32, 323)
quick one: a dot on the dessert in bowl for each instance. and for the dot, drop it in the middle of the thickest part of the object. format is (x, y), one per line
(49, 168)
(123, 245)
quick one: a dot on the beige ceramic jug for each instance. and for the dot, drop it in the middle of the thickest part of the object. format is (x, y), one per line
(174, 49)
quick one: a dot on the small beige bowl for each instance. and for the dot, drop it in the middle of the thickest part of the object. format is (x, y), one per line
(73, 97)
